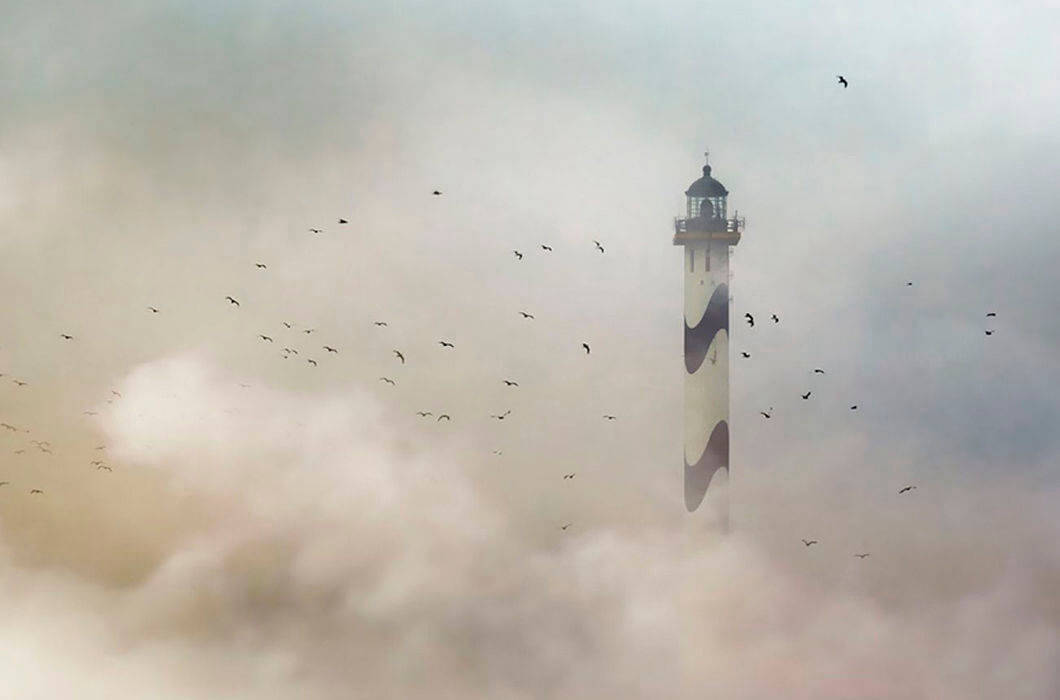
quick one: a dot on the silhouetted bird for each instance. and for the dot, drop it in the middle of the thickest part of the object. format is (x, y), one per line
(989, 332)
(767, 415)
(586, 346)
(317, 230)
(286, 324)
(546, 247)
(424, 414)
(153, 309)
(809, 542)
(64, 336)
(89, 413)
(854, 407)
(232, 301)
(266, 338)
(388, 380)
(501, 416)
(8, 426)
(104, 467)
(330, 349)
(775, 318)
(750, 320)
(905, 488)
(436, 193)
(564, 527)
(842, 80)
(35, 491)
(568, 476)
(312, 362)
(991, 314)
(525, 315)
(20, 383)
(445, 416)
(115, 393)
(307, 331)
(445, 344)
(862, 556)
(291, 351)
(745, 354)
(508, 382)
(380, 323)
(343, 221)
(610, 417)
(498, 452)
(261, 266)
(518, 254)
(806, 395)
(818, 371)
(909, 284)
(598, 246)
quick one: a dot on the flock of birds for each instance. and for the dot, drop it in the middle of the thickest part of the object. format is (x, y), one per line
(290, 351)
(287, 352)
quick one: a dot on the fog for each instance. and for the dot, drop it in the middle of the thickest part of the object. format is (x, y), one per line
(273, 529)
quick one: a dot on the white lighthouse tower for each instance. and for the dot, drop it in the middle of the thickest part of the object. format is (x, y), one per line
(706, 233)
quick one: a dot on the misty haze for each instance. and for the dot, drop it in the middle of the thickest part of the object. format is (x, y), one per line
(341, 350)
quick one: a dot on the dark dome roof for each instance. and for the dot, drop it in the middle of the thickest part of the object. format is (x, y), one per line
(706, 186)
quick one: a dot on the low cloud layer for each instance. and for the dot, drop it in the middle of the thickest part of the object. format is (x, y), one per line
(326, 558)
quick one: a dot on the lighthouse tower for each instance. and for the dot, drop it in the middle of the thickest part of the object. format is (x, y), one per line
(706, 233)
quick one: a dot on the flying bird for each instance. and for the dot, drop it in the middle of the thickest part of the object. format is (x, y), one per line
(398, 355)
(564, 527)
(388, 380)
(498, 452)
(818, 370)
(862, 556)
(380, 323)
(809, 542)
(64, 336)
(598, 246)
(854, 407)
(905, 488)
(586, 346)
(312, 362)
(501, 416)
(343, 221)
(115, 393)
(232, 301)
(152, 309)
(35, 491)
(767, 415)
(266, 338)
(991, 314)
(445, 344)
(745, 354)
(750, 320)
(424, 414)
(286, 324)
(525, 315)
(8, 426)
(842, 81)
(509, 382)
(436, 193)
(518, 254)
(330, 349)
(445, 416)
(806, 395)
(291, 351)
(307, 331)
(989, 332)
(776, 319)
(609, 417)
(20, 383)
(317, 230)
(104, 467)
(569, 476)
(546, 247)
(909, 284)
(261, 266)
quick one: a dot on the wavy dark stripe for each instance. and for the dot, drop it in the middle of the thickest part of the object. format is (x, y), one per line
(715, 456)
(715, 318)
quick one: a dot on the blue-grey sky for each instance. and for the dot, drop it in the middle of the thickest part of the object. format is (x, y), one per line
(309, 535)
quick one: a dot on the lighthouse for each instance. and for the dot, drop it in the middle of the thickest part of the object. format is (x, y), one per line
(707, 234)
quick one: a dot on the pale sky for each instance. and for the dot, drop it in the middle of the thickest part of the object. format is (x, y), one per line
(308, 535)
